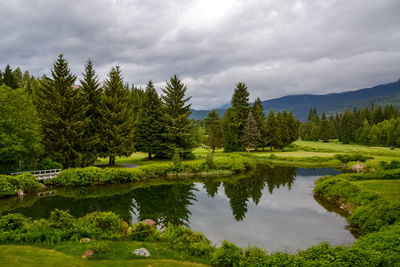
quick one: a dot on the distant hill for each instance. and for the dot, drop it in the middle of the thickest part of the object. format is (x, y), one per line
(329, 103)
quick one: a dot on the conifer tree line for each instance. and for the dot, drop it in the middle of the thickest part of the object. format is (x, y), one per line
(245, 126)
(373, 125)
(74, 125)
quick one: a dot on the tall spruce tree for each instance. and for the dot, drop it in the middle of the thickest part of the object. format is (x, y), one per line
(241, 105)
(8, 78)
(91, 93)
(231, 131)
(1, 78)
(251, 133)
(150, 124)
(178, 135)
(257, 111)
(325, 129)
(63, 116)
(116, 121)
(17, 73)
(273, 136)
(213, 129)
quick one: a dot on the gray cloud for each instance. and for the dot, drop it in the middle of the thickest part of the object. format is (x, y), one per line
(275, 47)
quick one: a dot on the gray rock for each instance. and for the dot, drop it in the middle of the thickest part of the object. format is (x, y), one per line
(141, 252)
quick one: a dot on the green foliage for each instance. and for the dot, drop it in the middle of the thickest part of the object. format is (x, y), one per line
(345, 158)
(62, 111)
(48, 164)
(15, 228)
(142, 232)
(91, 94)
(274, 136)
(178, 134)
(116, 118)
(11, 185)
(370, 212)
(184, 239)
(150, 125)
(213, 130)
(227, 255)
(9, 79)
(392, 165)
(20, 135)
(231, 131)
(251, 133)
(100, 247)
(94, 175)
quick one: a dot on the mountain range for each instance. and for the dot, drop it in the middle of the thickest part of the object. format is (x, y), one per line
(331, 104)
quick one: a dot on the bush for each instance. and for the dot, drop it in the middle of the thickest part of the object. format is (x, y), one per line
(227, 255)
(100, 247)
(10, 185)
(48, 164)
(392, 165)
(12, 222)
(60, 219)
(345, 158)
(184, 239)
(142, 232)
(370, 211)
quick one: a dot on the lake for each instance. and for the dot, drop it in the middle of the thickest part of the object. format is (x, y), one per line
(270, 207)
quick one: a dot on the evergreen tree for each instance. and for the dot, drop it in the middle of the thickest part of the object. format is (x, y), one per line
(1, 78)
(116, 118)
(259, 116)
(273, 132)
(8, 78)
(230, 129)
(63, 116)
(150, 125)
(241, 106)
(346, 127)
(325, 129)
(178, 135)
(251, 133)
(213, 129)
(292, 126)
(17, 73)
(91, 93)
(283, 127)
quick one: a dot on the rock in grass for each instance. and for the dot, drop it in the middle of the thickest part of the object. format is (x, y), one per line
(88, 253)
(150, 222)
(142, 252)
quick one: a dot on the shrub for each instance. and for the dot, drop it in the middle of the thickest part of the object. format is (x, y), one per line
(10, 185)
(48, 163)
(142, 232)
(392, 165)
(12, 221)
(345, 158)
(182, 238)
(60, 219)
(227, 255)
(100, 247)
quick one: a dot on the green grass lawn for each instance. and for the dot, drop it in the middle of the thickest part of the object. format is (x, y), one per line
(389, 189)
(308, 154)
(69, 254)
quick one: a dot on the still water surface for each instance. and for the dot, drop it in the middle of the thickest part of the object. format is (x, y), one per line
(272, 207)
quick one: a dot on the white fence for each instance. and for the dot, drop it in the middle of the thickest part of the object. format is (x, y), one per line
(42, 174)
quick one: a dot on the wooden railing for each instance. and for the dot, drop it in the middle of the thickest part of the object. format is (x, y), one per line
(42, 174)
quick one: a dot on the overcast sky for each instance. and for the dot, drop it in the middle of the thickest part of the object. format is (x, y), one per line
(275, 47)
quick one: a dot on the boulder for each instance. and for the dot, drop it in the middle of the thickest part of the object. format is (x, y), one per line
(150, 222)
(85, 240)
(141, 252)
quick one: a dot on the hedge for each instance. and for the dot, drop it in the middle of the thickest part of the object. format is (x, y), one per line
(11, 185)
(95, 175)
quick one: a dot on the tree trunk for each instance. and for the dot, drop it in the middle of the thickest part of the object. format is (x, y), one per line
(213, 149)
(149, 155)
(270, 148)
(111, 161)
